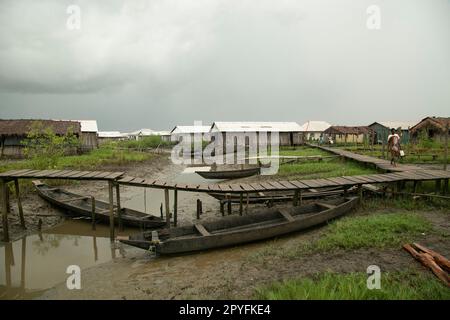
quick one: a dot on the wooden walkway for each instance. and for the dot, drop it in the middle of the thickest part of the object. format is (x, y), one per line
(60, 174)
(382, 164)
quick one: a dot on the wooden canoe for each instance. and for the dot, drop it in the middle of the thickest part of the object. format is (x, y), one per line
(229, 174)
(234, 230)
(77, 205)
(277, 196)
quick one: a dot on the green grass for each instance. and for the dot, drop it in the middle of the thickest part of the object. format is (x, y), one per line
(303, 151)
(323, 169)
(384, 230)
(408, 285)
(144, 142)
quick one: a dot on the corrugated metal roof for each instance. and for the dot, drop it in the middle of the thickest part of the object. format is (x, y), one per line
(110, 134)
(315, 126)
(190, 129)
(141, 132)
(404, 125)
(88, 125)
(255, 126)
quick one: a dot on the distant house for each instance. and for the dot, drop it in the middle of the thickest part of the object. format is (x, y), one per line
(313, 130)
(13, 133)
(106, 136)
(179, 131)
(382, 129)
(89, 135)
(136, 135)
(433, 127)
(345, 134)
(289, 132)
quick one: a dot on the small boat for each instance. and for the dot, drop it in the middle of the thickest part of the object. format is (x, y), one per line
(267, 197)
(234, 230)
(78, 205)
(229, 174)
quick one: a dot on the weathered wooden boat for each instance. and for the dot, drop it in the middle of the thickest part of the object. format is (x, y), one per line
(77, 205)
(233, 230)
(278, 196)
(229, 174)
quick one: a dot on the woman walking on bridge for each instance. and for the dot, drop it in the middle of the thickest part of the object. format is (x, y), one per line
(394, 146)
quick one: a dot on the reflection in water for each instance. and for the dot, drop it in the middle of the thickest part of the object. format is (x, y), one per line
(38, 262)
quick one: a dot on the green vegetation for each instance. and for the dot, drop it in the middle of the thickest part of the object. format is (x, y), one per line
(302, 152)
(384, 230)
(353, 286)
(43, 147)
(149, 142)
(323, 169)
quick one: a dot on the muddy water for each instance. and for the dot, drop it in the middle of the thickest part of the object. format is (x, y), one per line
(35, 263)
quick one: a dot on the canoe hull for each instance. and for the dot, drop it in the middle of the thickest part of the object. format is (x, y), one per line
(130, 217)
(244, 235)
(229, 174)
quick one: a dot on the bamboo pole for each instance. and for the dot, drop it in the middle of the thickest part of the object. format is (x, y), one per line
(119, 213)
(19, 203)
(166, 198)
(296, 194)
(175, 207)
(93, 212)
(446, 147)
(111, 210)
(4, 198)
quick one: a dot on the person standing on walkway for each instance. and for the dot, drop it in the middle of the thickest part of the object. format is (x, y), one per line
(393, 143)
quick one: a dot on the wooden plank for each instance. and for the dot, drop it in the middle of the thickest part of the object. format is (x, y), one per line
(267, 186)
(286, 214)
(235, 187)
(214, 187)
(102, 175)
(246, 187)
(341, 181)
(201, 229)
(29, 174)
(299, 184)
(125, 179)
(14, 173)
(91, 174)
(58, 173)
(311, 183)
(277, 185)
(354, 179)
(115, 175)
(288, 185)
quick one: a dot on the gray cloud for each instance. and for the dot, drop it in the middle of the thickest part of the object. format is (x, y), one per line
(159, 63)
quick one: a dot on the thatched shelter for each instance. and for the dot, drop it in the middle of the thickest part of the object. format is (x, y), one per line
(13, 132)
(434, 127)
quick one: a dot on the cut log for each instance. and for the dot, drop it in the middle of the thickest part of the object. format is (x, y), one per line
(442, 261)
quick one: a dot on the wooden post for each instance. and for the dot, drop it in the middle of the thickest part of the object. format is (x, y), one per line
(4, 198)
(111, 210)
(300, 198)
(383, 155)
(93, 212)
(199, 209)
(19, 203)
(437, 189)
(161, 211)
(360, 193)
(415, 186)
(166, 198)
(446, 147)
(229, 203)
(119, 213)
(445, 188)
(175, 207)
(295, 202)
(241, 201)
(222, 210)
(247, 203)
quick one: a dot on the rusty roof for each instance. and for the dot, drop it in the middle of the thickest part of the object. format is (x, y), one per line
(20, 127)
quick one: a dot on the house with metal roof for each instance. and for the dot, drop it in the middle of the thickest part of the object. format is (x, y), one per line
(289, 132)
(313, 130)
(382, 129)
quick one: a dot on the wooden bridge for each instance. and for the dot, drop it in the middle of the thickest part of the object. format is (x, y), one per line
(397, 176)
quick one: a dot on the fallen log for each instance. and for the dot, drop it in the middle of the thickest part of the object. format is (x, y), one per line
(442, 261)
(428, 261)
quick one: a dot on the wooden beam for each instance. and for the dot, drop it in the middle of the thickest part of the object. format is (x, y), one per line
(4, 199)
(119, 213)
(241, 201)
(111, 210)
(446, 147)
(19, 203)
(166, 198)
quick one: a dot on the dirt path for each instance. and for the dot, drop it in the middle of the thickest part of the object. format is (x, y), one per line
(235, 272)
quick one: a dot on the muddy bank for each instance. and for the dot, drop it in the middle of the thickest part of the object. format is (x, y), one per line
(236, 272)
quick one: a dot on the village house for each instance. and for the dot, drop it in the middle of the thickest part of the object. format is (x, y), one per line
(89, 135)
(289, 132)
(382, 129)
(433, 127)
(179, 131)
(13, 133)
(346, 134)
(313, 130)
(107, 136)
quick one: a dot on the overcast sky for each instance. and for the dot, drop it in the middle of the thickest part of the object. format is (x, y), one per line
(157, 63)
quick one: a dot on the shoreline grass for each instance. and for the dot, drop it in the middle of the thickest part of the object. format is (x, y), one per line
(406, 285)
